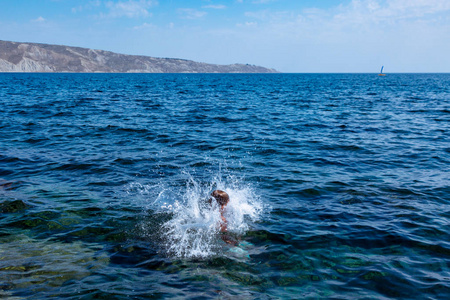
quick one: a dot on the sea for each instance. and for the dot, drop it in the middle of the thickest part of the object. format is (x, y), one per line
(339, 186)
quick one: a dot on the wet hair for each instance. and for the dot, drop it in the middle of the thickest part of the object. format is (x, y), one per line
(221, 197)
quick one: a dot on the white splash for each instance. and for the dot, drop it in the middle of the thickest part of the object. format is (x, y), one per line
(193, 229)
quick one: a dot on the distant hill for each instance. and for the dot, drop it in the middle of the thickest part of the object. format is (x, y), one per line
(32, 57)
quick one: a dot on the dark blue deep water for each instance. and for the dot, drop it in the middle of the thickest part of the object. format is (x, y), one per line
(339, 186)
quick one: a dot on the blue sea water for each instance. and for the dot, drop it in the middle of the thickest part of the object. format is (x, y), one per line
(339, 186)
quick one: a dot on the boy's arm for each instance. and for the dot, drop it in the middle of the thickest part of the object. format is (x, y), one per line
(225, 237)
(223, 224)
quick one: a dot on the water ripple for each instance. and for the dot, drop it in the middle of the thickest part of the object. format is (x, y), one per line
(340, 185)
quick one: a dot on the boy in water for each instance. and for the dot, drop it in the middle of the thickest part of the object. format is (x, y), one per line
(222, 199)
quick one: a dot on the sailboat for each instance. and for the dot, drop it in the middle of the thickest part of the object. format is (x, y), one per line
(381, 72)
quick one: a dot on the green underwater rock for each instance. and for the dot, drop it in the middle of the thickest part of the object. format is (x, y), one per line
(43, 264)
(12, 206)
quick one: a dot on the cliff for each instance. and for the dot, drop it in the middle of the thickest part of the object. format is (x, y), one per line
(32, 57)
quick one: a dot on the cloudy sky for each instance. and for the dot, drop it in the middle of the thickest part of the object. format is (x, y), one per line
(288, 35)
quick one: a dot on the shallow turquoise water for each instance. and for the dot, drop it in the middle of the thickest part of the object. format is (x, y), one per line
(339, 185)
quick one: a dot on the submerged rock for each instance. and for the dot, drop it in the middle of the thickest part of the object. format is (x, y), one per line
(12, 206)
(26, 262)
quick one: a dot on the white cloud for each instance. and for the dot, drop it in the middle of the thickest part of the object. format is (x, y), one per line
(391, 11)
(191, 14)
(212, 6)
(262, 1)
(130, 8)
(418, 7)
(144, 26)
(358, 14)
(248, 24)
(260, 15)
(88, 6)
(270, 16)
(39, 20)
(407, 35)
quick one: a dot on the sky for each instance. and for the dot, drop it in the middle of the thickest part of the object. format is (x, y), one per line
(299, 36)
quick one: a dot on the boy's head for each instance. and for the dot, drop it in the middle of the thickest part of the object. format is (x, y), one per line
(221, 197)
